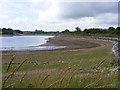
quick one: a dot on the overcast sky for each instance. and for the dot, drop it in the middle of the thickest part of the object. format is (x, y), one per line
(52, 15)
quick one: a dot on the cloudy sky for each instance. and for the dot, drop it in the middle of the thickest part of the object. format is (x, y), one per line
(54, 15)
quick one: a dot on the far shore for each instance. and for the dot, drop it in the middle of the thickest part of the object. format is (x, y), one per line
(26, 35)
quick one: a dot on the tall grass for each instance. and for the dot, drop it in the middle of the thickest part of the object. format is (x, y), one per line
(84, 68)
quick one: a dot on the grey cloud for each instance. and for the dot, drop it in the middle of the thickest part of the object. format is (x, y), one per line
(108, 18)
(110, 22)
(75, 10)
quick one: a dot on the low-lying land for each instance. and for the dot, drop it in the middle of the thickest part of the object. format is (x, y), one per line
(85, 63)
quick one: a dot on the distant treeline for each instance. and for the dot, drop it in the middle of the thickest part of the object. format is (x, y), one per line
(9, 31)
(111, 31)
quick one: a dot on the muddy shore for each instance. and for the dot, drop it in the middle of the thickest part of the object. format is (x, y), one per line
(71, 43)
(114, 40)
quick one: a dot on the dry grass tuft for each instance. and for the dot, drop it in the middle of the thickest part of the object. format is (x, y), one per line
(10, 63)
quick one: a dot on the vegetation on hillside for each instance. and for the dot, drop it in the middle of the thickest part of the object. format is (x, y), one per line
(9, 31)
(111, 31)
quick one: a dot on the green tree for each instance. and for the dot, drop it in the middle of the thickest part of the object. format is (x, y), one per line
(18, 32)
(7, 31)
(66, 31)
(111, 30)
(78, 29)
(118, 31)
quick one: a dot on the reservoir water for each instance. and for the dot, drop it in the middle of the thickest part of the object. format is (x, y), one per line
(18, 43)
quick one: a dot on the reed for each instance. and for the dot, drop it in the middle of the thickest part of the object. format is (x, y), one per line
(55, 83)
(104, 86)
(91, 84)
(10, 63)
(11, 75)
(23, 77)
(60, 80)
(44, 79)
(17, 82)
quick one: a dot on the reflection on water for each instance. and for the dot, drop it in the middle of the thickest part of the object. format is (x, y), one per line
(25, 43)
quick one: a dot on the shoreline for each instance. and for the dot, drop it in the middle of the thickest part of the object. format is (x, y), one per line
(109, 39)
(114, 40)
(67, 42)
(70, 43)
(27, 35)
(55, 43)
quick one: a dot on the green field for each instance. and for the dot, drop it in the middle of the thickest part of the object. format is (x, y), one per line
(65, 68)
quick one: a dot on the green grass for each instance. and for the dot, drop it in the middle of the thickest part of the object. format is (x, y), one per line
(65, 69)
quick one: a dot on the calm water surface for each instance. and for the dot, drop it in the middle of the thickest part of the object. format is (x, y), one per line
(25, 43)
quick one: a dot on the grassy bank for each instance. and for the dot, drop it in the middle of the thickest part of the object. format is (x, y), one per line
(88, 67)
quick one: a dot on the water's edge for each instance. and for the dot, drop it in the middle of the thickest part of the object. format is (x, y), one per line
(45, 46)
